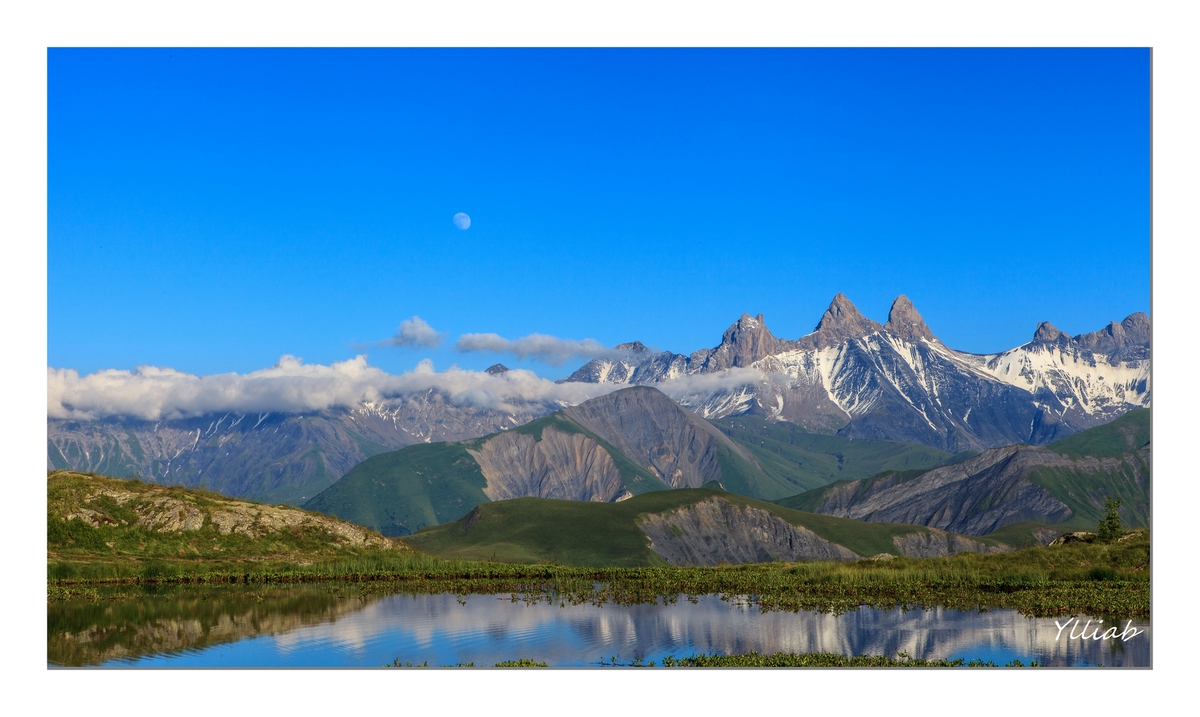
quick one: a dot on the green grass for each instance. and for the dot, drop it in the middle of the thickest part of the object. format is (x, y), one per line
(577, 533)
(1020, 535)
(1124, 435)
(118, 547)
(1077, 578)
(803, 461)
(1084, 491)
(402, 491)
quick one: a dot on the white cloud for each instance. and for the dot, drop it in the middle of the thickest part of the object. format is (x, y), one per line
(290, 386)
(414, 332)
(702, 385)
(550, 349)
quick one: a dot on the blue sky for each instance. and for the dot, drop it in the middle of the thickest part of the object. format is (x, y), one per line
(211, 210)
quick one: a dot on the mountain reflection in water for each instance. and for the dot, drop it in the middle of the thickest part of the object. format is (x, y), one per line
(322, 626)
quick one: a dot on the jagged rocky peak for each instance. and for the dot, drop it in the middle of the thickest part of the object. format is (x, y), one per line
(743, 343)
(1133, 331)
(1047, 333)
(841, 321)
(636, 347)
(496, 369)
(905, 322)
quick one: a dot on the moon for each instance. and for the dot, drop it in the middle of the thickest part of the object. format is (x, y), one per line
(462, 221)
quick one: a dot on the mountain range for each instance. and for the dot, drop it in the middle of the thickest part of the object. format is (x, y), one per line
(856, 378)
(851, 378)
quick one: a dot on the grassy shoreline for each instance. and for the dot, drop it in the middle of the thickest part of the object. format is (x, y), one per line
(1076, 578)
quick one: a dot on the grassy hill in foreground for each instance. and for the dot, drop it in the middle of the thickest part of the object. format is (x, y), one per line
(577, 533)
(94, 518)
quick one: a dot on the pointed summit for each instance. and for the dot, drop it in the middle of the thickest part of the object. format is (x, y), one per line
(633, 347)
(496, 369)
(743, 343)
(904, 321)
(841, 321)
(1047, 333)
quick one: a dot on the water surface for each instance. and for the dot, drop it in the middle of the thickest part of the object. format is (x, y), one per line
(324, 626)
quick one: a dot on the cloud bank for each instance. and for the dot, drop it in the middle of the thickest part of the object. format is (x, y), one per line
(414, 333)
(550, 349)
(291, 386)
(697, 387)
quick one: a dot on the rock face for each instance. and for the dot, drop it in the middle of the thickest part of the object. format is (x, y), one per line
(747, 341)
(640, 422)
(1125, 339)
(998, 487)
(904, 321)
(974, 497)
(841, 321)
(652, 430)
(897, 381)
(939, 543)
(567, 466)
(716, 531)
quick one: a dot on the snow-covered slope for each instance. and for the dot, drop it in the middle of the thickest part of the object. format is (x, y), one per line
(898, 381)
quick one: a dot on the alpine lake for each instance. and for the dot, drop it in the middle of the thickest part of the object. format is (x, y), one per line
(337, 625)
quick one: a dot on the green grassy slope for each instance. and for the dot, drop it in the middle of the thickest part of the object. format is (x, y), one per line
(576, 533)
(402, 491)
(94, 518)
(802, 461)
(1084, 492)
(1124, 435)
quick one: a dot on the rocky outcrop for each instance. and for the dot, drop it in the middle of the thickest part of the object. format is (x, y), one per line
(654, 432)
(841, 321)
(567, 466)
(1128, 340)
(715, 531)
(904, 321)
(743, 343)
(1047, 333)
(164, 510)
(938, 543)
